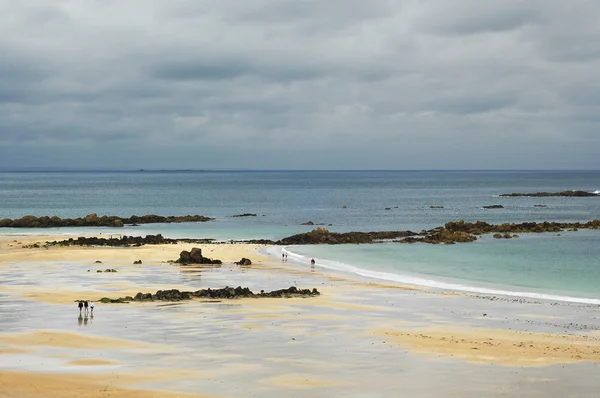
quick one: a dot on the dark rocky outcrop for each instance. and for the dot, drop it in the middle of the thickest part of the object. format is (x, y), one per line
(224, 293)
(195, 257)
(308, 223)
(137, 262)
(93, 220)
(540, 205)
(493, 207)
(575, 194)
(244, 261)
(125, 241)
(436, 207)
(323, 236)
(453, 232)
(245, 215)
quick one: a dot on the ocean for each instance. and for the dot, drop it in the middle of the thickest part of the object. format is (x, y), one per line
(559, 266)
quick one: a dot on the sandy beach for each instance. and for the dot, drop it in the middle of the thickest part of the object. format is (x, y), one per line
(359, 338)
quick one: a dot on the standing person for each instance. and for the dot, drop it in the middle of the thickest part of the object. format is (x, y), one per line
(86, 305)
(312, 262)
(92, 307)
(80, 305)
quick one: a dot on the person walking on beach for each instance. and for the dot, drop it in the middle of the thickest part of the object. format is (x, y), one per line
(80, 305)
(86, 305)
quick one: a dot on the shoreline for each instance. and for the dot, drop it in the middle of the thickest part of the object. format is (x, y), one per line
(430, 282)
(355, 334)
(270, 253)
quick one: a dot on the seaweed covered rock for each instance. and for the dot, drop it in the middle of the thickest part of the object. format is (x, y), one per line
(224, 293)
(125, 241)
(244, 261)
(323, 236)
(93, 220)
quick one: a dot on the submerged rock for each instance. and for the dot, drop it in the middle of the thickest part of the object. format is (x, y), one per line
(493, 207)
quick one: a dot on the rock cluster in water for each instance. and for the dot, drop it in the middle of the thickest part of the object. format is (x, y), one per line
(548, 194)
(323, 236)
(195, 257)
(453, 232)
(225, 293)
(92, 220)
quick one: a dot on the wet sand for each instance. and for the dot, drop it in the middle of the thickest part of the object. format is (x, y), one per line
(359, 338)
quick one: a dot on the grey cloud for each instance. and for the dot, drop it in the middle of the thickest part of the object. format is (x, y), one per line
(298, 84)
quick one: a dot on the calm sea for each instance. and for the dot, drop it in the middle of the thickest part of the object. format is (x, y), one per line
(565, 265)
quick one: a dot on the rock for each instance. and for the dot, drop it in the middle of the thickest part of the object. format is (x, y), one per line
(93, 220)
(308, 223)
(497, 236)
(540, 206)
(195, 257)
(125, 241)
(99, 270)
(436, 207)
(494, 207)
(244, 261)
(224, 293)
(572, 194)
(244, 215)
(97, 262)
(344, 207)
(137, 262)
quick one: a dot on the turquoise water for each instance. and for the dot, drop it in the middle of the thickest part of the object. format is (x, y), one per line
(538, 264)
(349, 201)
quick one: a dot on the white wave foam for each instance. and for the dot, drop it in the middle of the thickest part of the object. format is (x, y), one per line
(417, 281)
(597, 192)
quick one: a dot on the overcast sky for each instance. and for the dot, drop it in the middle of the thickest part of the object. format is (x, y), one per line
(300, 84)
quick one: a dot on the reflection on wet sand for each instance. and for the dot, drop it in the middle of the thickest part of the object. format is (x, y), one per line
(357, 339)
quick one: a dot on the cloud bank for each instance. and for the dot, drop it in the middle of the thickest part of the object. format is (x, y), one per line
(299, 84)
